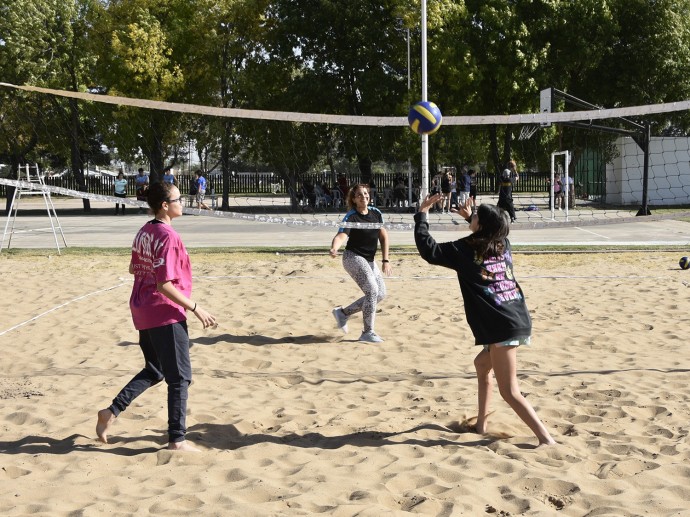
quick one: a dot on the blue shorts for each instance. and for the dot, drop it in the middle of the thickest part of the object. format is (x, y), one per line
(524, 340)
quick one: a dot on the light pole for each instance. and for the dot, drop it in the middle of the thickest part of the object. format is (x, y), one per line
(425, 138)
(409, 84)
(408, 60)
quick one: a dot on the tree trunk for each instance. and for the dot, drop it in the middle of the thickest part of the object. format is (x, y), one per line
(156, 157)
(75, 152)
(507, 147)
(16, 158)
(365, 168)
(156, 167)
(14, 167)
(225, 163)
(291, 182)
(507, 151)
(495, 157)
(225, 97)
(331, 166)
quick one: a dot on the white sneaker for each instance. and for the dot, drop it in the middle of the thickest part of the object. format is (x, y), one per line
(370, 337)
(340, 319)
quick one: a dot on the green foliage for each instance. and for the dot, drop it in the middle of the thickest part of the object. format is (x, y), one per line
(344, 57)
(45, 43)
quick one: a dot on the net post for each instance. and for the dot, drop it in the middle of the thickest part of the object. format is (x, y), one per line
(646, 137)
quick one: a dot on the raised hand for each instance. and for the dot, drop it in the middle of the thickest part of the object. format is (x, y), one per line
(429, 201)
(464, 211)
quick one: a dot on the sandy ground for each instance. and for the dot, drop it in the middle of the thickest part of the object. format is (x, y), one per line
(295, 418)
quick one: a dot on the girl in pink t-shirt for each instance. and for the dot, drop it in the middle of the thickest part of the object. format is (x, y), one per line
(159, 303)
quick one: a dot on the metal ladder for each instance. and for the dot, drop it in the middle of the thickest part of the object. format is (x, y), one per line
(31, 174)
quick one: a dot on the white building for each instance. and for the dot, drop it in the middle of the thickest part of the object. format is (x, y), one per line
(669, 172)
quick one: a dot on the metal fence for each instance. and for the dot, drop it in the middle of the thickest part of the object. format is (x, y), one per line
(266, 184)
(486, 183)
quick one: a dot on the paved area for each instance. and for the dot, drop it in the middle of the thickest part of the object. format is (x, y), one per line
(101, 228)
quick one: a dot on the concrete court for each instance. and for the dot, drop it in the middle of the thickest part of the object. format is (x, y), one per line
(101, 228)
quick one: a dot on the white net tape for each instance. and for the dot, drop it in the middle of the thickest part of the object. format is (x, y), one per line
(525, 118)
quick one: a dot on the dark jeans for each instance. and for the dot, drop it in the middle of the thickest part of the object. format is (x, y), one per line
(118, 205)
(166, 356)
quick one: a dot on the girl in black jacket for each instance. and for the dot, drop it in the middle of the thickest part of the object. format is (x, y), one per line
(494, 303)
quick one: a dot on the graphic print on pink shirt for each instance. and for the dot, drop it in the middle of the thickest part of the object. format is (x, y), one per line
(158, 255)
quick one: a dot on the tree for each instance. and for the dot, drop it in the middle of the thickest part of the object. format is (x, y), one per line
(613, 54)
(45, 45)
(502, 60)
(338, 66)
(142, 48)
(649, 58)
(230, 36)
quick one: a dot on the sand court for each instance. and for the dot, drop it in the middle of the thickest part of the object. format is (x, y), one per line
(295, 418)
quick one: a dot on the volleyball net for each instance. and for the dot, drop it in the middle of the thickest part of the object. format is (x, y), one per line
(577, 167)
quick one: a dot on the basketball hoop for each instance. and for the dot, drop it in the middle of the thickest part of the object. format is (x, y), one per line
(527, 131)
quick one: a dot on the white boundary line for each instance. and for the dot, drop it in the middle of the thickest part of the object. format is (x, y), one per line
(59, 307)
(593, 233)
(306, 277)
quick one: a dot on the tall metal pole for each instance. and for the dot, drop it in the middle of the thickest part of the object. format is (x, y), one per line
(646, 138)
(409, 85)
(409, 76)
(425, 138)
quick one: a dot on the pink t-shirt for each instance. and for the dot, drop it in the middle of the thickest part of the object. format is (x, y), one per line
(158, 255)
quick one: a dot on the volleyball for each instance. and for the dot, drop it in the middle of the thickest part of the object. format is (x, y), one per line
(684, 262)
(424, 118)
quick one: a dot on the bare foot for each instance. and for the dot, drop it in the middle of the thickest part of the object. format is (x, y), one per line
(468, 425)
(551, 441)
(105, 418)
(184, 445)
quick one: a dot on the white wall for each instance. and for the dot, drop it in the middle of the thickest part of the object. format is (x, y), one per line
(669, 172)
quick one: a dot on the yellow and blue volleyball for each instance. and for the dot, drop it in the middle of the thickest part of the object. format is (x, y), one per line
(684, 262)
(424, 118)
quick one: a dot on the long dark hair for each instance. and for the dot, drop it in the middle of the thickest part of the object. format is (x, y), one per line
(494, 226)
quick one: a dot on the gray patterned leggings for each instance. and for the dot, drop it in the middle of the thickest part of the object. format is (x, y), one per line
(368, 277)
